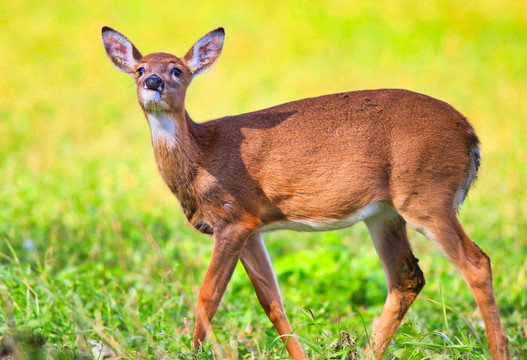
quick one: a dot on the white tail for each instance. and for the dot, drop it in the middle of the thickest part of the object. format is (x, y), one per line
(386, 157)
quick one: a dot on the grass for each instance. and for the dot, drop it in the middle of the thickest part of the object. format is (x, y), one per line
(94, 248)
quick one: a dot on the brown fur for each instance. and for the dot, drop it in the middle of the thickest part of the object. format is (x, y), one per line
(319, 160)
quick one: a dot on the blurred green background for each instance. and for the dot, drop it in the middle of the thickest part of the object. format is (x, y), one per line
(94, 247)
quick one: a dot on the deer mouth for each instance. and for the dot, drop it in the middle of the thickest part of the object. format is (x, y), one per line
(152, 100)
(151, 96)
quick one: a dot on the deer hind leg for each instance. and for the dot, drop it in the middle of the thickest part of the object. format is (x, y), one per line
(443, 229)
(404, 277)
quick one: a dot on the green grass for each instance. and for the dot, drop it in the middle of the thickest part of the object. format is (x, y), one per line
(94, 247)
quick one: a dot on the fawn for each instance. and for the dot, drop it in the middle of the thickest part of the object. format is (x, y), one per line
(387, 157)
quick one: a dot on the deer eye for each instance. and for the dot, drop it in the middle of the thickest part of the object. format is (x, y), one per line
(176, 72)
(140, 72)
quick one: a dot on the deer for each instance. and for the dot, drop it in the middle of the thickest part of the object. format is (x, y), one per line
(386, 157)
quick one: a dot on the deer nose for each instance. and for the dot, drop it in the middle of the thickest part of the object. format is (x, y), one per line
(153, 82)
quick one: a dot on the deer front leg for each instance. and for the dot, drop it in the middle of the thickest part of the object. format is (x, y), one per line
(258, 266)
(228, 246)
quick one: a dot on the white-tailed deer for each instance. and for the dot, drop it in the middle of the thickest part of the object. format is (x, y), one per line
(386, 157)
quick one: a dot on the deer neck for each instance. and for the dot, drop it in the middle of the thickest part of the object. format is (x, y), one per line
(175, 150)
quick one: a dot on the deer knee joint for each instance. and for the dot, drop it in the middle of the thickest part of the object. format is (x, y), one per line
(411, 279)
(275, 312)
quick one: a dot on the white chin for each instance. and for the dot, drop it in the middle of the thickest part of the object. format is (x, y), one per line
(150, 96)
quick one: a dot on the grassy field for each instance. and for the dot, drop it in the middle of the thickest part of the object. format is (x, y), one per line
(94, 248)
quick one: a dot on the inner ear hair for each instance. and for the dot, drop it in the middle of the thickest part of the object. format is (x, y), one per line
(205, 52)
(122, 53)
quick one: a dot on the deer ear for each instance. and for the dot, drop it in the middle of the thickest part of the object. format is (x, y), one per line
(122, 53)
(203, 55)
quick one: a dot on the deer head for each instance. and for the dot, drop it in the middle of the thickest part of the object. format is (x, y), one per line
(162, 79)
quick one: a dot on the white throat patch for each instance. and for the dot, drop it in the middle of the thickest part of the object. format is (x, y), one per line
(162, 127)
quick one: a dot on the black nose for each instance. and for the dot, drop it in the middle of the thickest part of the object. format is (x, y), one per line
(153, 82)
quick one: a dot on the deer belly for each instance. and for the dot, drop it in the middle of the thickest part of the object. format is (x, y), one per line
(325, 224)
